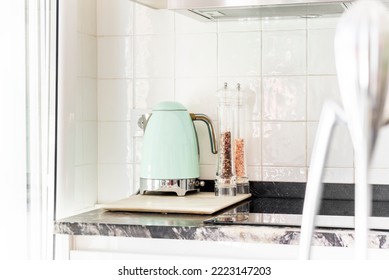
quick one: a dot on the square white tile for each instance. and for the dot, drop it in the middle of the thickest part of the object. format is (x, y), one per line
(284, 174)
(196, 55)
(78, 144)
(321, 89)
(321, 54)
(284, 98)
(149, 92)
(379, 176)
(185, 24)
(239, 54)
(138, 143)
(86, 99)
(86, 16)
(208, 172)
(251, 88)
(91, 56)
(338, 175)
(381, 151)
(114, 17)
(255, 173)
(198, 95)
(283, 23)
(136, 177)
(87, 55)
(85, 186)
(90, 142)
(79, 47)
(89, 99)
(115, 142)
(86, 143)
(341, 152)
(154, 56)
(239, 25)
(323, 22)
(284, 144)
(284, 52)
(253, 139)
(153, 21)
(206, 156)
(115, 99)
(114, 182)
(115, 57)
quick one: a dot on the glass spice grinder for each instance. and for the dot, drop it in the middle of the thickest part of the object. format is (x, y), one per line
(240, 143)
(225, 184)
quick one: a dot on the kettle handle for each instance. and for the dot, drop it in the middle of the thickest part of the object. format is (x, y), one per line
(211, 131)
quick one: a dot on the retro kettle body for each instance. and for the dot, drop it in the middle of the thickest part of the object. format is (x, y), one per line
(170, 151)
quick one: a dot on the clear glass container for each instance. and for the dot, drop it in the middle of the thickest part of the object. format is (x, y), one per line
(240, 143)
(225, 184)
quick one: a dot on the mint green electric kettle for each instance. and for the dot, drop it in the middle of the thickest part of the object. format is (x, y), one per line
(170, 151)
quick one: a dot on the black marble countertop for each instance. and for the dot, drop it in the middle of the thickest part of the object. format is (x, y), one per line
(191, 227)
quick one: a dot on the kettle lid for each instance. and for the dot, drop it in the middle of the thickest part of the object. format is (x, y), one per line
(169, 106)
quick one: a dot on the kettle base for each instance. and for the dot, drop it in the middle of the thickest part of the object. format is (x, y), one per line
(178, 186)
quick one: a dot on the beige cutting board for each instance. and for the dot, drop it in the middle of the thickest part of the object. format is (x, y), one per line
(195, 203)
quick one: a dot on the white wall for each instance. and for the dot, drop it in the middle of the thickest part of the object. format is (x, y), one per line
(145, 56)
(77, 107)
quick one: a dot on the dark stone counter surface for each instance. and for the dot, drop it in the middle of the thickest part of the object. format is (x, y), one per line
(191, 227)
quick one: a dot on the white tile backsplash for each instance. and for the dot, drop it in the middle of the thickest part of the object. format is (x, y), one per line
(154, 56)
(338, 175)
(284, 98)
(254, 143)
(284, 174)
(321, 89)
(284, 52)
(115, 99)
(252, 88)
(321, 55)
(207, 172)
(114, 182)
(324, 22)
(151, 21)
(244, 59)
(87, 16)
(77, 108)
(185, 25)
(193, 91)
(381, 154)
(341, 153)
(283, 24)
(240, 25)
(196, 55)
(149, 92)
(206, 156)
(85, 182)
(115, 142)
(86, 55)
(114, 20)
(115, 57)
(285, 66)
(255, 173)
(284, 144)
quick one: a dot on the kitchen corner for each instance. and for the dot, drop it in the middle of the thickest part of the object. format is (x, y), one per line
(195, 130)
(132, 59)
